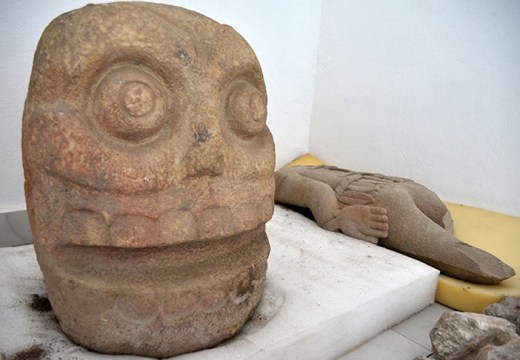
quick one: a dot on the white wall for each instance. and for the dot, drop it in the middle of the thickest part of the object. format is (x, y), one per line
(428, 90)
(423, 89)
(284, 35)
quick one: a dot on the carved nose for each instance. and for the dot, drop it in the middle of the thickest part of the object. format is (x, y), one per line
(206, 156)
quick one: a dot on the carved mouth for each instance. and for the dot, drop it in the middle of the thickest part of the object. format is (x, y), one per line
(192, 211)
(179, 264)
(134, 266)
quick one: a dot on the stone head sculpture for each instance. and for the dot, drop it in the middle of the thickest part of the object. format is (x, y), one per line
(149, 177)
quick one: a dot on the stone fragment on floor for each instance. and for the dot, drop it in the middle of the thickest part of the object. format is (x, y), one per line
(508, 308)
(459, 336)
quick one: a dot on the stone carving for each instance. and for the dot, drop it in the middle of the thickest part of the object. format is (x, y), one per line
(461, 336)
(148, 177)
(394, 212)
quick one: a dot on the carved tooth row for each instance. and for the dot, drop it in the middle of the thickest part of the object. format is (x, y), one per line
(87, 227)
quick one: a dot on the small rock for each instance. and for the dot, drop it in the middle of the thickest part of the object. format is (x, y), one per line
(508, 308)
(508, 351)
(458, 336)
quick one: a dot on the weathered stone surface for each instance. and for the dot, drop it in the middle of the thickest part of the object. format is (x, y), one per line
(394, 212)
(508, 308)
(508, 351)
(458, 335)
(149, 177)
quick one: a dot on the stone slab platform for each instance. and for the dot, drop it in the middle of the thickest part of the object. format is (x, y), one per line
(325, 294)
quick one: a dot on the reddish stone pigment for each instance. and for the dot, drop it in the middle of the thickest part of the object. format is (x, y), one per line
(148, 177)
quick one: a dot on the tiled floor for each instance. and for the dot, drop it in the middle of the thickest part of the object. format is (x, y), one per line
(404, 341)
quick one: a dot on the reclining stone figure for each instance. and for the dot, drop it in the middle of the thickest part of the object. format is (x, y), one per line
(397, 213)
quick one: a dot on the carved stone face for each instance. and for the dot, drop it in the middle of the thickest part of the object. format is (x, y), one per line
(149, 175)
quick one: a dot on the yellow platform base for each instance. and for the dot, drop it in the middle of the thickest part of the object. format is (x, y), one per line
(305, 160)
(495, 233)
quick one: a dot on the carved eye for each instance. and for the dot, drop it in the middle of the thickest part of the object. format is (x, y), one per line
(130, 104)
(246, 110)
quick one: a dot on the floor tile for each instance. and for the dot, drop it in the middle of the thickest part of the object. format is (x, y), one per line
(389, 345)
(417, 328)
(14, 229)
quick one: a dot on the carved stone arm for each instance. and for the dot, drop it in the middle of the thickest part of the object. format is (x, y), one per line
(295, 189)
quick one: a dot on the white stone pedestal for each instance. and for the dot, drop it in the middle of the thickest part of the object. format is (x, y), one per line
(325, 294)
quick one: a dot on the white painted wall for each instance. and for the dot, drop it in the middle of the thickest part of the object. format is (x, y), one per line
(428, 90)
(284, 35)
